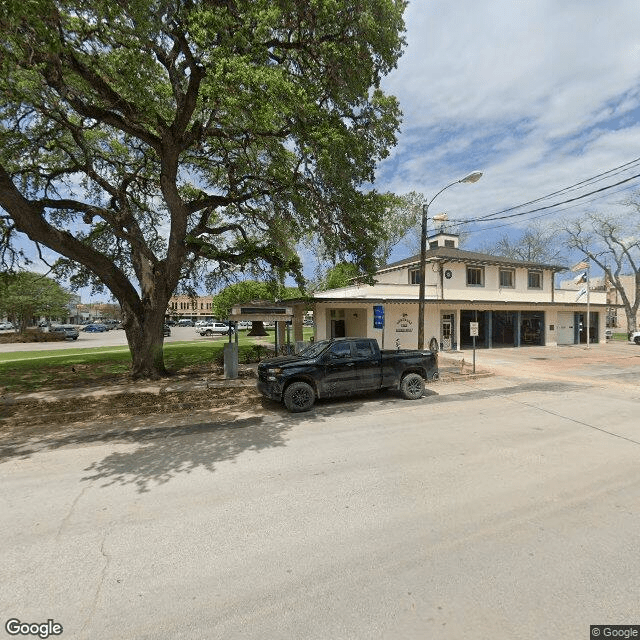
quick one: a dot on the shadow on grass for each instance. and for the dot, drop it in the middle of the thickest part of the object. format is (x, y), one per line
(152, 450)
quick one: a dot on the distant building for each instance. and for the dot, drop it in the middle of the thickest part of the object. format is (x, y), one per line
(190, 307)
(616, 316)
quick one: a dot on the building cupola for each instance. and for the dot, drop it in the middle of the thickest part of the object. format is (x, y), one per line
(444, 239)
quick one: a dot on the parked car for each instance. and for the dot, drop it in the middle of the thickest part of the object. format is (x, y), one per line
(341, 367)
(167, 330)
(171, 323)
(95, 328)
(185, 322)
(6, 326)
(70, 332)
(110, 323)
(634, 336)
(213, 328)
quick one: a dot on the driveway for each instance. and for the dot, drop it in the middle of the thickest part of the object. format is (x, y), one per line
(616, 363)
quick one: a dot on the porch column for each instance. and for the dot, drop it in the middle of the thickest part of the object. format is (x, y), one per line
(298, 317)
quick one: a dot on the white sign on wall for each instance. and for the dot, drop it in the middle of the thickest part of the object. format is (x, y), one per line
(473, 328)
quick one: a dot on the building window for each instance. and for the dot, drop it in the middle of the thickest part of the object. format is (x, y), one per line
(507, 278)
(450, 243)
(414, 276)
(535, 279)
(475, 276)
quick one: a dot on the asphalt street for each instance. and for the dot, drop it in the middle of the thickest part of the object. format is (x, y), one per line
(502, 507)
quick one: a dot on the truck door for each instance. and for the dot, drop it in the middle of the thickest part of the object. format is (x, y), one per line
(368, 365)
(340, 374)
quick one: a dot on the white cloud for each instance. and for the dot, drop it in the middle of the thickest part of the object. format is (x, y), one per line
(538, 95)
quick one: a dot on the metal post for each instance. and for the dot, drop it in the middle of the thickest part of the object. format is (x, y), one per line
(588, 310)
(423, 263)
(276, 342)
(475, 318)
(472, 177)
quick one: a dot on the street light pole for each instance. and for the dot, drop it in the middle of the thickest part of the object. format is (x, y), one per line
(472, 177)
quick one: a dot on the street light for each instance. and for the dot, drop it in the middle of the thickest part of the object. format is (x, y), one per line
(472, 177)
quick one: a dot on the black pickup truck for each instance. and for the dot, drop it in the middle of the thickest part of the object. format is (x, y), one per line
(341, 367)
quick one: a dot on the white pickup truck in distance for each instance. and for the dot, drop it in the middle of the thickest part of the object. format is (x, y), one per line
(214, 328)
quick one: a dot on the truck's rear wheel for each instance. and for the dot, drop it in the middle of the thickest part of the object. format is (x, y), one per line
(299, 396)
(208, 332)
(412, 386)
(637, 339)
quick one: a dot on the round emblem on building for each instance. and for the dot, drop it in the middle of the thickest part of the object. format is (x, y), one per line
(448, 274)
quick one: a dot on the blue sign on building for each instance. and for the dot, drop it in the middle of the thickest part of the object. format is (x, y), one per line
(378, 316)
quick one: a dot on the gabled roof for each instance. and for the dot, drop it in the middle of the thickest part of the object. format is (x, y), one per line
(449, 254)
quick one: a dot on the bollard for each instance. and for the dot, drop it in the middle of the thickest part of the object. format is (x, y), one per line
(230, 361)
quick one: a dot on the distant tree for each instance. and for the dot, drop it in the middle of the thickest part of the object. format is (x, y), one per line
(401, 220)
(535, 244)
(25, 295)
(337, 277)
(612, 242)
(150, 142)
(249, 291)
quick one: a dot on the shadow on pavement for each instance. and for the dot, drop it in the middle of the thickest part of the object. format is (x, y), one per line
(166, 446)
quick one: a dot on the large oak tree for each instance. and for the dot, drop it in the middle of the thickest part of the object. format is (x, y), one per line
(140, 139)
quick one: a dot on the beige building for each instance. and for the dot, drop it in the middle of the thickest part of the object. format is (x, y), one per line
(514, 303)
(188, 307)
(616, 317)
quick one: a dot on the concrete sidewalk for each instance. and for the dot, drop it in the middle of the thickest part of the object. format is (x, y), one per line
(451, 369)
(614, 363)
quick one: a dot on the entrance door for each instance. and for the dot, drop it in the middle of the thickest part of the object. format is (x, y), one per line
(447, 332)
(337, 329)
(566, 333)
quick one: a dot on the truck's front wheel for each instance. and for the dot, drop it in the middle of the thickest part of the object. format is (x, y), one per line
(412, 386)
(299, 396)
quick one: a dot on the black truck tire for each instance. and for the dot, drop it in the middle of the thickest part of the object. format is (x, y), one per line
(299, 396)
(412, 386)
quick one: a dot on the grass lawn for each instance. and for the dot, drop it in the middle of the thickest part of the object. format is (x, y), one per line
(29, 370)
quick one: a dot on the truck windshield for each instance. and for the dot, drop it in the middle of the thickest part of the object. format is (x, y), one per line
(315, 349)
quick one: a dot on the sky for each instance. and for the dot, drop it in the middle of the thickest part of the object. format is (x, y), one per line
(537, 95)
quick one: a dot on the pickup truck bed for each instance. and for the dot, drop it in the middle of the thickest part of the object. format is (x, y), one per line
(342, 367)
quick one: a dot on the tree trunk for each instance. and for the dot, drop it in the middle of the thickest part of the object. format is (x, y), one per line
(146, 339)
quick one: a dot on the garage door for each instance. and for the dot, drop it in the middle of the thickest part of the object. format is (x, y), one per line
(566, 333)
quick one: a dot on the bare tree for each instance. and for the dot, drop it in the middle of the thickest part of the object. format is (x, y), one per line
(612, 242)
(536, 243)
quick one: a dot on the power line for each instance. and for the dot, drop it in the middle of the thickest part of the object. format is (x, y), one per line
(546, 207)
(597, 178)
